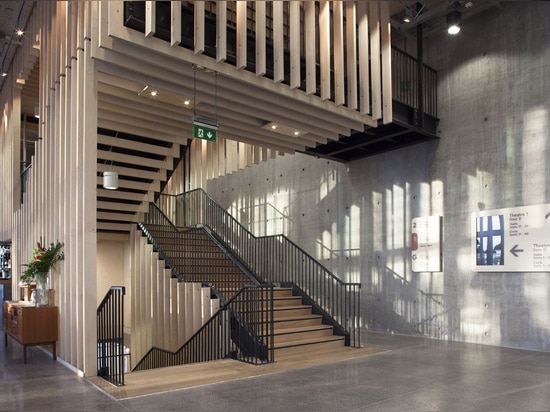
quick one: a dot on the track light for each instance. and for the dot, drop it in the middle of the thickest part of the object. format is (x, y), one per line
(454, 19)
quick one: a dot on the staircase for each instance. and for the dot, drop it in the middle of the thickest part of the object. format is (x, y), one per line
(198, 258)
(313, 311)
(296, 327)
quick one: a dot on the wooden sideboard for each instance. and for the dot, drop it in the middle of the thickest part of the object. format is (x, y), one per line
(30, 325)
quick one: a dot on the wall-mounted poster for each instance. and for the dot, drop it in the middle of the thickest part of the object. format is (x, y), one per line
(426, 244)
(512, 240)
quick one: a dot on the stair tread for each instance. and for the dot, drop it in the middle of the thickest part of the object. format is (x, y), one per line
(282, 331)
(331, 338)
(292, 307)
(298, 317)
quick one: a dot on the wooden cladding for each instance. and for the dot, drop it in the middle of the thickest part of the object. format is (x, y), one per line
(165, 313)
(338, 51)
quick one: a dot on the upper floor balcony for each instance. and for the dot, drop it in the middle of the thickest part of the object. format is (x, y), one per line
(330, 63)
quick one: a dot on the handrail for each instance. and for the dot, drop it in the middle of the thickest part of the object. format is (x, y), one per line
(242, 328)
(184, 252)
(273, 259)
(110, 336)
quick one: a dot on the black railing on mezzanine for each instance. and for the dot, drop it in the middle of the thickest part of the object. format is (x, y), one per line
(410, 88)
(241, 329)
(273, 259)
(110, 336)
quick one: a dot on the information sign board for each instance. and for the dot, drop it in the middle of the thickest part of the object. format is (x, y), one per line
(426, 244)
(512, 240)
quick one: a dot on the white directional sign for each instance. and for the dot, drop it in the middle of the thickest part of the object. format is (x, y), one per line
(512, 240)
(426, 244)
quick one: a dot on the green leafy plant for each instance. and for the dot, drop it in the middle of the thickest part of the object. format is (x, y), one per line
(43, 260)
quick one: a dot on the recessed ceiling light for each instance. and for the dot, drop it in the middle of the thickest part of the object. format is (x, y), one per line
(283, 129)
(20, 32)
(187, 102)
(154, 93)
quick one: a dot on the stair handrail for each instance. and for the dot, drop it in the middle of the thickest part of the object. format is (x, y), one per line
(110, 336)
(278, 261)
(247, 335)
(157, 217)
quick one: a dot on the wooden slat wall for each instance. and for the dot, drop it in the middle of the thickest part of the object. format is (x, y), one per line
(165, 313)
(59, 203)
(209, 160)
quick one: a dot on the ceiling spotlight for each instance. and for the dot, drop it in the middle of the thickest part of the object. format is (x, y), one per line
(454, 19)
(273, 126)
(4, 74)
(154, 93)
(409, 16)
(20, 32)
(187, 102)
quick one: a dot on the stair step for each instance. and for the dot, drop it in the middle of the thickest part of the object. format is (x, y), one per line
(286, 311)
(325, 342)
(282, 292)
(291, 335)
(297, 321)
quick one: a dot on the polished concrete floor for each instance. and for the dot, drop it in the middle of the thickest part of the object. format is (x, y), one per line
(411, 374)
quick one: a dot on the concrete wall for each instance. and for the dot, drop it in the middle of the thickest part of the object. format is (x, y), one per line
(494, 102)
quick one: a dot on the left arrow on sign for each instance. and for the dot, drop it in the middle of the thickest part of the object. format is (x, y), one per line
(515, 250)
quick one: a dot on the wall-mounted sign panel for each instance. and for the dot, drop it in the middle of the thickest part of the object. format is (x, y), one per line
(512, 240)
(426, 244)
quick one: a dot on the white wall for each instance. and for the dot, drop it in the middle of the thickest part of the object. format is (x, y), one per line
(494, 105)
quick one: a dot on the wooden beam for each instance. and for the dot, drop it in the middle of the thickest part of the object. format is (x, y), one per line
(294, 35)
(324, 48)
(175, 26)
(385, 33)
(199, 27)
(221, 31)
(364, 75)
(150, 18)
(278, 42)
(260, 38)
(310, 47)
(241, 34)
(351, 54)
(338, 58)
(376, 86)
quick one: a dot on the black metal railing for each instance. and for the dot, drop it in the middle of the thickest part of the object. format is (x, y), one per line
(273, 259)
(110, 336)
(195, 255)
(406, 80)
(241, 329)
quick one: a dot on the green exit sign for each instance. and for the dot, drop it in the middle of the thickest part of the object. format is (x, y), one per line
(201, 132)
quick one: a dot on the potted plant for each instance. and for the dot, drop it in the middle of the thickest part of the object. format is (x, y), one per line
(42, 261)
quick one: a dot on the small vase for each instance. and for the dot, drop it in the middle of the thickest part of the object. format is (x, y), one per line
(41, 296)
